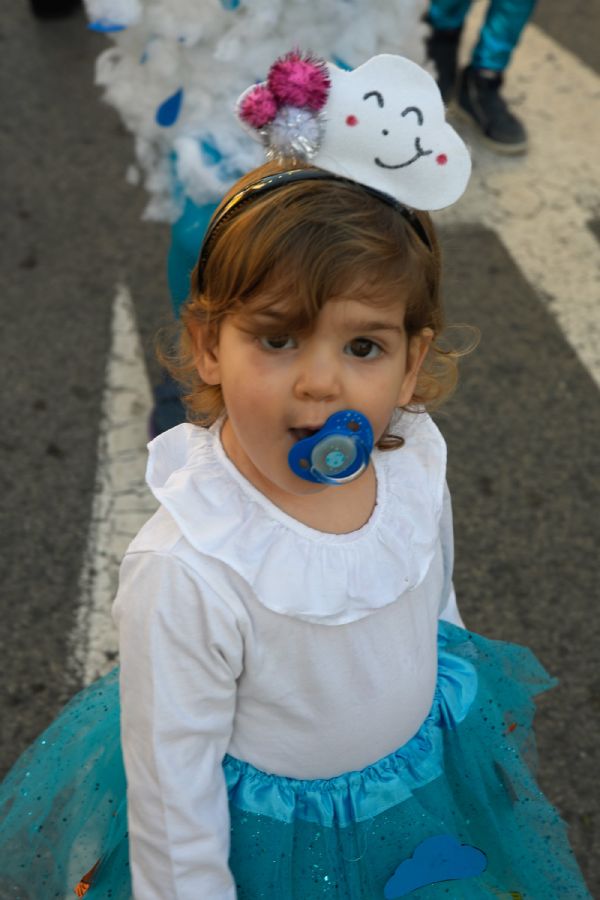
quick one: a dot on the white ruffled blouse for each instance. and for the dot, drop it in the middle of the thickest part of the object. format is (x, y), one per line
(243, 631)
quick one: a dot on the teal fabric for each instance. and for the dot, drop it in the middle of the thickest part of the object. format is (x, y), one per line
(64, 800)
(358, 796)
(468, 774)
(500, 33)
(187, 234)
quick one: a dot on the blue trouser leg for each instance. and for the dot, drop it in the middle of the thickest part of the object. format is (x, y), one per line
(448, 14)
(186, 238)
(504, 22)
(501, 30)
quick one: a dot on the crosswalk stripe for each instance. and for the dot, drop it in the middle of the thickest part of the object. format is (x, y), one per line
(122, 501)
(540, 205)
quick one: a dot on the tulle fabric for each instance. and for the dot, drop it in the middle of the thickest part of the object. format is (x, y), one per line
(468, 773)
(63, 804)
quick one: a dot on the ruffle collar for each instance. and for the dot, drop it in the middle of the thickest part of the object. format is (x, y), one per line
(292, 569)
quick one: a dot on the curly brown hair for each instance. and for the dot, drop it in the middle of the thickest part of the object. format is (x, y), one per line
(299, 246)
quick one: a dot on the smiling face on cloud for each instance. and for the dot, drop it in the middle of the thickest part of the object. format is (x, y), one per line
(385, 127)
(382, 125)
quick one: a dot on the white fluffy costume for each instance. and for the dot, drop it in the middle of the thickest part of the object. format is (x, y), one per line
(176, 68)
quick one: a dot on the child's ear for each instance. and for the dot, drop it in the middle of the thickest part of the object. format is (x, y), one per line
(207, 355)
(418, 347)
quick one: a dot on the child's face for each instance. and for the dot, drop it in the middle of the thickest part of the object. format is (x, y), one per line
(278, 386)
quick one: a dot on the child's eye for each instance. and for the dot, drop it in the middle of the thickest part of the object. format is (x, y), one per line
(363, 348)
(283, 342)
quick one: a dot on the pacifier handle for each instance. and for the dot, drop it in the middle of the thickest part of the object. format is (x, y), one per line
(338, 453)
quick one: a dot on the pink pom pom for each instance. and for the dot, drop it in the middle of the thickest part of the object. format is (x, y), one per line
(259, 107)
(298, 81)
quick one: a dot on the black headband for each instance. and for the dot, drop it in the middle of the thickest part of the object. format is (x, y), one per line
(279, 179)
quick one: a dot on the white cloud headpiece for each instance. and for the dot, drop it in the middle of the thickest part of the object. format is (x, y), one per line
(381, 125)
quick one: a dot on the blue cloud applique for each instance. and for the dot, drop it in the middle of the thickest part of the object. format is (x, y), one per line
(439, 858)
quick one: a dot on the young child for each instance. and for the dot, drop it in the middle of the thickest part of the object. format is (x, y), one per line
(303, 713)
(173, 71)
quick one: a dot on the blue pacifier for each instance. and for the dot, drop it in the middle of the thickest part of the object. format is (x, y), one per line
(337, 453)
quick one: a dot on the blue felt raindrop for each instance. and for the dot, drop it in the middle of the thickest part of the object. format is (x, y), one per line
(341, 63)
(211, 155)
(168, 111)
(106, 26)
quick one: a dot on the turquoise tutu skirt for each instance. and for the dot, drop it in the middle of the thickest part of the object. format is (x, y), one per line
(454, 813)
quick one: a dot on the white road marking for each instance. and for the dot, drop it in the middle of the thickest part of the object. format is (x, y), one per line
(540, 204)
(122, 501)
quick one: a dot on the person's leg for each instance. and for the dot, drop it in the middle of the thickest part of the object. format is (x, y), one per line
(504, 23)
(446, 18)
(479, 89)
(186, 237)
(446, 15)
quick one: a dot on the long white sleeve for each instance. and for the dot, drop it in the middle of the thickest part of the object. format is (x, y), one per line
(448, 606)
(181, 653)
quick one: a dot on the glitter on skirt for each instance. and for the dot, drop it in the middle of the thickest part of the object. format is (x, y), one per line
(467, 774)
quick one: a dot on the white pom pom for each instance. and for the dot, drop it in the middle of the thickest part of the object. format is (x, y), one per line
(294, 133)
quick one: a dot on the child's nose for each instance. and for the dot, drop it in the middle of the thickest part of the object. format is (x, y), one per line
(318, 377)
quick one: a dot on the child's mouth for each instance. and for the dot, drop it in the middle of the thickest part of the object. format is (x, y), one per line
(300, 433)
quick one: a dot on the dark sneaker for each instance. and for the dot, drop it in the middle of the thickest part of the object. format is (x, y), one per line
(480, 99)
(53, 9)
(442, 51)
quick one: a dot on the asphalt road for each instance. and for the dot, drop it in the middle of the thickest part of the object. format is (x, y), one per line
(523, 431)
